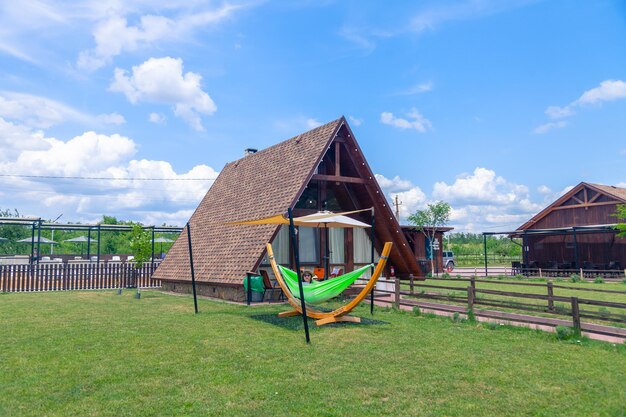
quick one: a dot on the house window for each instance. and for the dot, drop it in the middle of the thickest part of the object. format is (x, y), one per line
(308, 237)
(363, 247)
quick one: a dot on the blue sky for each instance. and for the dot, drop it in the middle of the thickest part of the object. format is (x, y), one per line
(496, 107)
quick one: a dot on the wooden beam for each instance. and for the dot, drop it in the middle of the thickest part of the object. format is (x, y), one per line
(604, 203)
(337, 159)
(339, 178)
(595, 197)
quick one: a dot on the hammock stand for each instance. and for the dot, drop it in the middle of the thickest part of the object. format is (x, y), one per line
(340, 314)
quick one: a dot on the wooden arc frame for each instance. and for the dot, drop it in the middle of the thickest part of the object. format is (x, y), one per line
(339, 314)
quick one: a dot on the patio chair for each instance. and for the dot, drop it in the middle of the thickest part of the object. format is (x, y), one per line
(615, 265)
(267, 283)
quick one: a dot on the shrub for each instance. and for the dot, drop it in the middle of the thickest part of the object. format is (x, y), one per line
(459, 276)
(471, 316)
(417, 311)
(575, 278)
(565, 332)
(492, 325)
(598, 280)
(519, 276)
(456, 318)
(445, 275)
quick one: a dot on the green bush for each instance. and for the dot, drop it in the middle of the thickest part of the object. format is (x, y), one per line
(470, 315)
(417, 311)
(565, 332)
(598, 280)
(445, 275)
(456, 318)
(575, 278)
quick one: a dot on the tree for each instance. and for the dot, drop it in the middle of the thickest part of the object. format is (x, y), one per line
(428, 220)
(140, 245)
(621, 218)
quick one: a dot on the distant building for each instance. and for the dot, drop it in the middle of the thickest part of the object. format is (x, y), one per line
(322, 169)
(576, 231)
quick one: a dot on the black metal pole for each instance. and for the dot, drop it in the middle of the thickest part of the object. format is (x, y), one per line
(327, 249)
(98, 258)
(32, 245)
(152, 263)
(88, 243)
(485, 249)
(296, 256)
(372, 238)
(249, 292)
(38, 241)
(193, 275)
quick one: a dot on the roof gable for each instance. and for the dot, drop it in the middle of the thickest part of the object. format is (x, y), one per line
(584, 195)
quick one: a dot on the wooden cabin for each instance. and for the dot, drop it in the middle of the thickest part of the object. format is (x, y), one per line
(576, 231)
(322, 169)
(420, 245)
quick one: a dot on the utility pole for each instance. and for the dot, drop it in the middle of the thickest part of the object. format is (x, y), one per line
(52, 235)
(397, 204)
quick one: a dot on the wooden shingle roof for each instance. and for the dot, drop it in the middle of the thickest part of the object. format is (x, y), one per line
(256, 186)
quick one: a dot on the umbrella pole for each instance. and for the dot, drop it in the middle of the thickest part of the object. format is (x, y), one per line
(296, 255)
(327, 250)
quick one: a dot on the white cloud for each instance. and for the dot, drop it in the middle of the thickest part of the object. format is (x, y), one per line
(161, 80)
(355, 121)
(93, 155)
(312, 123)
(112, 119)
(546, 127)
(156, 118)
(113, 35)
(411, 197)
(42, 112)
(608, 90)
(417, 89)
(544, 189)
(417, 121)
(37, 111)
(431, 18)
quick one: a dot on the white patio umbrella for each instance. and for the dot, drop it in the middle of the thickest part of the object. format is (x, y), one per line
(41, 240)
(81, 240)
(326, 219)
(162, 240)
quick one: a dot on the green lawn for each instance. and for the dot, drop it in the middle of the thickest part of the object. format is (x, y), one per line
(99, 354)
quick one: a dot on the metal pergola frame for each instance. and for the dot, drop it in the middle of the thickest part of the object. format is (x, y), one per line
(39, 224)
(572, 230)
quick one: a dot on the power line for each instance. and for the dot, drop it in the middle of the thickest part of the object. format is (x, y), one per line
(58, 177)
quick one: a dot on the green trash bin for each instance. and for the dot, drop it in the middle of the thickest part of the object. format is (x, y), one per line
(258, 289)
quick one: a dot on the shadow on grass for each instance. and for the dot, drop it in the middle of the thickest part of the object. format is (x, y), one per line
(296, 323)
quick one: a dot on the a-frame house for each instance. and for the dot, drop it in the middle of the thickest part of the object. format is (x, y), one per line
(322, 169)
(577, 230)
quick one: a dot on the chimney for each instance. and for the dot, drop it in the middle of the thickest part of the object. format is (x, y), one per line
(249, 151)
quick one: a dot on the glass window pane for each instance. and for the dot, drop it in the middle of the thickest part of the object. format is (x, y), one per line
(336, 247)
(308, 238)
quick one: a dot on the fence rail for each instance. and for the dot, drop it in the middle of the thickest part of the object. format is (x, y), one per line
(66, 277)
(468, 298)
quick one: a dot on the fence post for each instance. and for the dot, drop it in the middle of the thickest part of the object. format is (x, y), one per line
(582, 275)
(540, 273)
(411, 283)
(575, 313)
(550, 296)
(470, 298)
(473, 283)
(397, 292)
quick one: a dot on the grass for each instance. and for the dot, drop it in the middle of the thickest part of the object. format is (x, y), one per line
(96, 353)
(563, 292)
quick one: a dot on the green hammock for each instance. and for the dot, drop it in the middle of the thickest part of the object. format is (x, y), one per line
(320, 291)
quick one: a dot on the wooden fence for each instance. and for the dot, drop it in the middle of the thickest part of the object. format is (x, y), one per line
(472, 299)
(64, 277)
